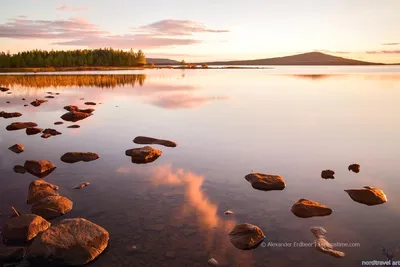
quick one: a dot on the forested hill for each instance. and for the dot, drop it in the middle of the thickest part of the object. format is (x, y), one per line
(75, 58)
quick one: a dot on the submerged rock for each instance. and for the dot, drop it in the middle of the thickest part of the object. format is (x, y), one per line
(4, 89)
(39, 168)
(23, 228)
(7, 115)
(75, 116)
(265, 182)
(50, 132)
(246, 236)
(90, 103)
(58, 123)
(322, 245)
(73, 157)
(19, 169)
(368, 195)
(354, 168)
(26, 105)
(81, 185)
(71, 242)
(76, 109)
(305, 208)
(74, 126)
(143, 140)
(52, 207)
(20, 125)
(8, 102)
(11, 254)
(39, 190)
(318, 231)
(328, 174)
(143, 155)
(212, 262)
(17, 148)
(38, 102)
(46, 135)
(33, 130)
(49, 96)
(228, 212)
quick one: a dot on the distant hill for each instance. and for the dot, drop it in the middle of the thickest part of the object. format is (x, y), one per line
(312, 58)
(162, 61)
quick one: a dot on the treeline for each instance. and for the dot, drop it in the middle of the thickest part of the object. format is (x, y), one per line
(98, 80)
(75, 58)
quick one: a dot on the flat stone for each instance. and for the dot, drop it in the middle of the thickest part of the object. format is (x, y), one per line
(143, 155)
(81, 185)
(49, 96)
(39, 168)
(77, 109)
(38, 102)
(305, 208)
(71, 242)
(74, 126)
(143, 140)
(73, 157)
(20, 125)
(322, 245)
(318, 231)
(19, 169)
(52, 132)
(9, 115)
(75, 116)
(228, 212)
(4, 89)
(246, 236)
(52, 207)
(23, 228)
(58, 123)
(266, 182)
(17, 148)
(33, 130)
(367, 195)
(39, 190)
(354, 168)
(328, 174)
(90, 103)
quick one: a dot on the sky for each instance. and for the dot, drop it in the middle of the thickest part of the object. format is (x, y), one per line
(207, 30)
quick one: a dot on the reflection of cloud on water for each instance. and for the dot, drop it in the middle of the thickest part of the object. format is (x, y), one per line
(177, 101)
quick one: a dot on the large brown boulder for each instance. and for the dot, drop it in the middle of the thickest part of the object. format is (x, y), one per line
(75, 116)
(265, 182)
(38, 102)
(17, 148)
(246, 236)
(71, 242)
(368, 195)
(10, 115)
(354, 168)
(143, 140)
(328, 174)
(39, 190)
(39, 168)
(143, 155)
(23, 228)
(20, 125)
(72, 157)
(52, 207)
(33, 130)
(77, 109)
(305, 208)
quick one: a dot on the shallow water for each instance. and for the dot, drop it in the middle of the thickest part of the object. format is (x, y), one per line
(227, 123)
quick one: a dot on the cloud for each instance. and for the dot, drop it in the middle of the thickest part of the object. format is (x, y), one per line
(391, 44)
(384, 52)
(71, 8)
(332, 52)
(177, 28)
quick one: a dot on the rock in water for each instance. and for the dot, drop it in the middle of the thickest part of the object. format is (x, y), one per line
(39, 168)
(81, 185)
(318, 231)
(305, 208)
(212, 262)
(4, 89)
(7, 115)
(90, 103)
(265, 182)
(246, 236)
(39, 190)
(143, 140)
(24, 228)
(11, 254)
(52, 132)
(17, 148)
(33, 130)
(19, 169)
(143, 155)
(228, 212)
(49, 96)
(76, 109)
(73, 157)
(368, 195)
(75, 116)
(74, 126)
(52, 207)
(38, 102)
(321, 244)
(328, 174)
(58, 123)
(20, 125)
(71, 242)
(354, 168)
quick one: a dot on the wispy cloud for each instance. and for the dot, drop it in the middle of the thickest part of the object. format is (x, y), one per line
(384, 52)
(71, 8)
(183, 101)
(391, 44)
(332, 52)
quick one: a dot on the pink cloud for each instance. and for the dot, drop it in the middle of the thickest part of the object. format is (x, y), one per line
(182, 101)
(384, 52)
(71, 8)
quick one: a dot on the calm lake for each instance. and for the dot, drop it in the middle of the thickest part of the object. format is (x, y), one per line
(290, 121)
